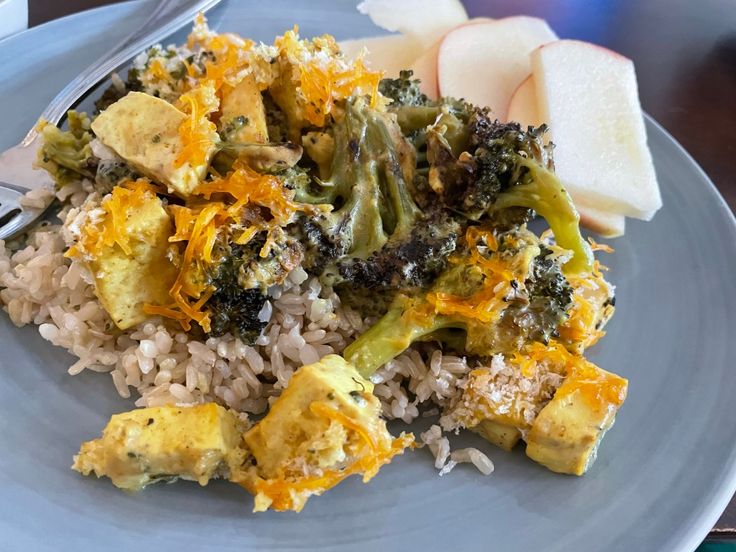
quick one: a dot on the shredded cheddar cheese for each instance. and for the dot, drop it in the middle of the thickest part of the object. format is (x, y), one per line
(191, 290)
(590, 307)
(486, 304)
(595, 246)
(535, 353)
(110, 228)
(201, 226)
(197, 131)
(157, 70)
(322, 78)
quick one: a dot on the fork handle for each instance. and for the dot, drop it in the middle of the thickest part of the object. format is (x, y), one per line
(166, 18)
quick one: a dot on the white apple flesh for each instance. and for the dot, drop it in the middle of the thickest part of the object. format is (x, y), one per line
(588, 95)
(389, 53)
(425, 66)
(424, 21)
(485, 62)
(523, 110)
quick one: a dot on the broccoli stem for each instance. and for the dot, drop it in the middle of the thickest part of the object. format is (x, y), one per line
(401, 326)
(544, 193)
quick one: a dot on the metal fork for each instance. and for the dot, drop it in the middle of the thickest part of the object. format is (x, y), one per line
(16, 173)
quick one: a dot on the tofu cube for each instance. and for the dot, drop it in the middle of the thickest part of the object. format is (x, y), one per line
(289, 429)
(144, 131)
(324, 427)
(565, 435)
(124, 283)
(146, 445)
(242, 115)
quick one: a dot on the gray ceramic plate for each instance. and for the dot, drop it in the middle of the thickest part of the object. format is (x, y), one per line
(665, 470)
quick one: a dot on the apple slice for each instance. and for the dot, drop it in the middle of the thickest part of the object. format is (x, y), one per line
(425, 66)
(485, 62)
(389, 53)
(424, 21)
(523, 105)
(425, 69)
(588, 96)
(604, 223)
(523, 109)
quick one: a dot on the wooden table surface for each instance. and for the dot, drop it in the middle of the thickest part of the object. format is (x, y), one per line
(685, 56)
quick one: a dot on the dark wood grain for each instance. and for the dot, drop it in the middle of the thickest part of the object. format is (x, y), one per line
(685, 56)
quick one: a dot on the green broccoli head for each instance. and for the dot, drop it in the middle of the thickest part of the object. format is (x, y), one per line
(241, 281)
(403, 90)
(412, 261)
(234, 308)
(503, 290)
(502, 167)
(375, 235)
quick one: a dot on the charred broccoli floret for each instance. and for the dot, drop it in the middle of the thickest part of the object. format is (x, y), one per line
(375, 231)
(504, 290)
(403, 90)
(501, 167)
(487, 170)
(412, 262)
(548, 298)
(117, 90)
(233, 308)
(241, 281)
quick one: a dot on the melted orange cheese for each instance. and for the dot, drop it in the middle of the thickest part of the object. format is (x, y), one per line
(598, 388)
(191, 290)
(536, 353)
(580, 326)
(486, 304)
(197, 132)
(203, 225)
(157, 70)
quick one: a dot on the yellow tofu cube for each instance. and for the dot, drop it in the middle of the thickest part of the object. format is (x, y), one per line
(565, 435)
(324, 427)
(144, 131)
(242, 115)
(124, 283)
(146, 445)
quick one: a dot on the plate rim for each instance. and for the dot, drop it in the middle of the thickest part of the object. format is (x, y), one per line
(702, 522)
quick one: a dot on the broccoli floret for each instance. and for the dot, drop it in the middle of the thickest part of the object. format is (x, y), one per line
(501, 167)
(115, 91)
(502, 291)
(110, 173)
(374, 216)
(413, 262)
(404, 90)
(546, 299)
(241, 281)
(233, 308)
(67, 155)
